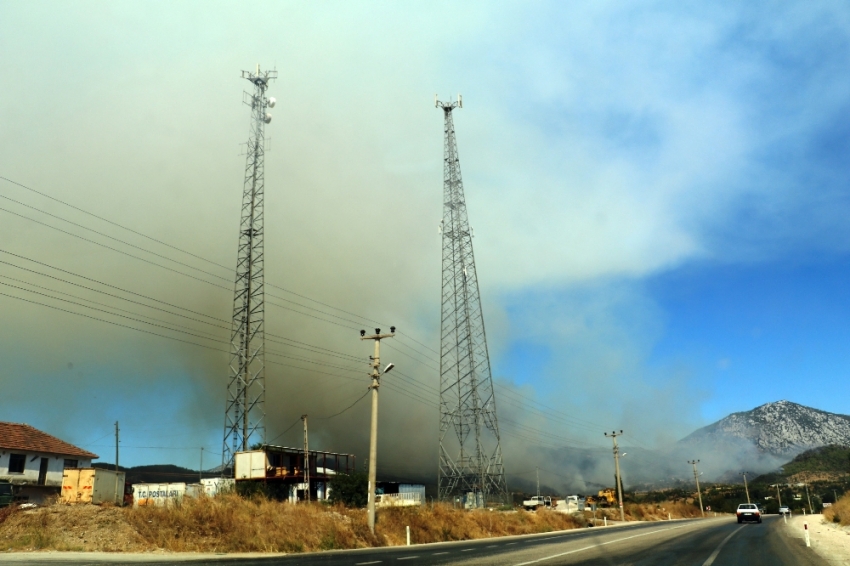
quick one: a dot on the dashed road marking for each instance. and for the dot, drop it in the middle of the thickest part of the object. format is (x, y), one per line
(598, 545)
(439, 553)
(364, 563)
(408, 558)
(710, 560)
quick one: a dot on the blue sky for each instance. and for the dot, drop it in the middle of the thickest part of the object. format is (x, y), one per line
(658, 192)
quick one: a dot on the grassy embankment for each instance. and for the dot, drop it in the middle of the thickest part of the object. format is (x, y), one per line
(234, 524)
(839, 512)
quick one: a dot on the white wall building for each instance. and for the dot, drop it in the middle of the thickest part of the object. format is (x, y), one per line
(34, 460)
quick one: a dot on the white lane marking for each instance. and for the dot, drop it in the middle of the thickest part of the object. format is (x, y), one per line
(364, 563)
(714, 554)
(598, 545)
(467, 549)
(439, 553)
(492, 546)
(510, 543)
(408, 558)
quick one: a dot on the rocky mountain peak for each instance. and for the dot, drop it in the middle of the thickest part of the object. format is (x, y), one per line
(780, 428)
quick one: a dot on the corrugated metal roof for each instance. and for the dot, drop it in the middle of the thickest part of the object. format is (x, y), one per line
(17, 436)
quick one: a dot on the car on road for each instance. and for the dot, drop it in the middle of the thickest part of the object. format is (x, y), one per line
(748, 512)
(784, 510)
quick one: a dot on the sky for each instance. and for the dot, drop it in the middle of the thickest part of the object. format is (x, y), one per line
(658, 192)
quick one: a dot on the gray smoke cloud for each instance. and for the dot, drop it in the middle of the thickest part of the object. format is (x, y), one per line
(132, 112)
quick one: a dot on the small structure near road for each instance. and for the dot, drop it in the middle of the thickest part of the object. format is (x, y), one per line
(92, 485)
(34, 461)
(394, 494)
(283, 469)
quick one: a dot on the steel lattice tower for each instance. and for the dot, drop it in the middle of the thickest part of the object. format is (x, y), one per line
(244, 414)
(470, 448)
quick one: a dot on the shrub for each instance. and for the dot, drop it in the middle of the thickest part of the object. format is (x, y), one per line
(349, 490)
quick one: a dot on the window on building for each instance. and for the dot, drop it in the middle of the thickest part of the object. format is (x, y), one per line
(17, 463)
(71, 463)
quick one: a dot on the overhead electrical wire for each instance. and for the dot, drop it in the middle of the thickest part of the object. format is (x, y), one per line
(325, 352)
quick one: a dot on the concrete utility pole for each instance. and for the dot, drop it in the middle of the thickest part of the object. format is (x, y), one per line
(306, 462)
(778, 495)
(811, 509)
(746, 489)
(201, 469)
(116, 459)
(373, 439)
(696, 479)
(614, 436)
(538, 482)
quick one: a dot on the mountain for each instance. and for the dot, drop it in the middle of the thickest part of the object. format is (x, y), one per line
(763, 439)
(780, 429)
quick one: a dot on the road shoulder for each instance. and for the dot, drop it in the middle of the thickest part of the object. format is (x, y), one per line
(829, 541)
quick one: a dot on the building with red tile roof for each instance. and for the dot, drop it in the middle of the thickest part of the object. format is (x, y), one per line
(35, 461)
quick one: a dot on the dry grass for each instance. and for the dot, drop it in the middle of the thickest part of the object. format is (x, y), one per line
(440, 523)
(233, 524)
(839, 512)
(659, 511)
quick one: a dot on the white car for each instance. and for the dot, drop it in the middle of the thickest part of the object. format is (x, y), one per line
(748, 512)
(784, 510)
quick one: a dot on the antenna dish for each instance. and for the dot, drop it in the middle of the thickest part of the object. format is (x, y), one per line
(459, 101)
(267, 118)
(272, 102)
(435, 101)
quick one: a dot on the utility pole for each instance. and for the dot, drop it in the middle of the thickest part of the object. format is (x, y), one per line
(244, 410)
(746, 489)
(778, 495)
(614, 436)
(696, 479)
(811, 509)
(306, 462)
(538, 482)
(116, 445)
(201, 469)
(470, 445)
(373, 438)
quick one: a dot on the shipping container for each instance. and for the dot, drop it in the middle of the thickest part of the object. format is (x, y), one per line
(92, 485)
(253, 464)
(214, 486)
(162, 494)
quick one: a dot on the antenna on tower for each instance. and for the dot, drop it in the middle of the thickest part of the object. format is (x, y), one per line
(244, 411)
(470, 446)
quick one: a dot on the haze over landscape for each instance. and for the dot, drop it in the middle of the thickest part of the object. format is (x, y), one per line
(658, 195)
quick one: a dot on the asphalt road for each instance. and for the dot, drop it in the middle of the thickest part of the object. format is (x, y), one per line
(720, 542)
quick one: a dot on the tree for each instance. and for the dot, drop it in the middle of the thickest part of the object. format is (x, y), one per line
(350, 490)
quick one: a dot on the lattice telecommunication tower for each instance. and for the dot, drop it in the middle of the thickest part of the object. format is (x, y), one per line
(470, 449)
(244, 414)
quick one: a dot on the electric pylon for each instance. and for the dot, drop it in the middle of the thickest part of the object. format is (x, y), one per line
(244, 414)
(471, 457)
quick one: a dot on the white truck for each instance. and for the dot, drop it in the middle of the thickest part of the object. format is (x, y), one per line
(537, 501)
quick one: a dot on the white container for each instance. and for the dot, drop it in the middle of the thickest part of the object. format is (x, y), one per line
(251, 465)
(162, 494)
(214, 486)
(92, 485)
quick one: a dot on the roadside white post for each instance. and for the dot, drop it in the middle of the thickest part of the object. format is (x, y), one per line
(806, 528)
(408, 535)
(669, 517)
(606, 520)
(785, 516)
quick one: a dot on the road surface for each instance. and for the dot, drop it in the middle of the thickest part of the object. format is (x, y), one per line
(719, 542)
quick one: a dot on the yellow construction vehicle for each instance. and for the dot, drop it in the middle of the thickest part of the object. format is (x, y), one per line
(607, 497)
